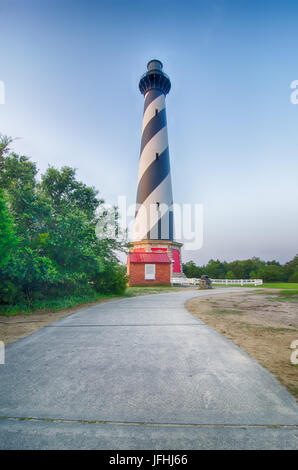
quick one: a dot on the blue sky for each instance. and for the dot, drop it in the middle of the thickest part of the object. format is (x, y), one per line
(71, 72)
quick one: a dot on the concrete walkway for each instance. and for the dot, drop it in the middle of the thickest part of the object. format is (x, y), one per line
(140, 373)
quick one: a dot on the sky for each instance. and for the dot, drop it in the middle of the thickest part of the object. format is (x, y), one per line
(71, 71)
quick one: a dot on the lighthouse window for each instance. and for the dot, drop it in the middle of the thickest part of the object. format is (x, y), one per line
(156, 112)
(150, 272)
(157, 155)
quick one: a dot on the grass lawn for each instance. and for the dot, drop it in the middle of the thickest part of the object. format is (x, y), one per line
(269, 285)
(280, 285)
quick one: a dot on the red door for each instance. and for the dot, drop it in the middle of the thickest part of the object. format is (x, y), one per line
(176, 258)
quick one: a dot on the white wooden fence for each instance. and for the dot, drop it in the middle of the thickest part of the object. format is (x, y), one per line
(225, 282)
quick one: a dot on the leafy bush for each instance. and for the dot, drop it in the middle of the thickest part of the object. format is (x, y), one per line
(10, 293)
(112, 279)
(7, 235)
(294, 277)
(230, 275)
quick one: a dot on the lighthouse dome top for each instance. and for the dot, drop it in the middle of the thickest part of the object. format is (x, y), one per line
(154, 78)
(154, 64)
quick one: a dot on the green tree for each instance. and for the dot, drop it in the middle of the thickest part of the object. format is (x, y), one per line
(291, 267)
(252, 275)
(294, 277)
(230, 275)
(58, 252)
(191, 270)
(66, 193)
(271, 273)
(7, 233)
(215, 269)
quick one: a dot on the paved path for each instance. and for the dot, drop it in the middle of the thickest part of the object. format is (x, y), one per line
(147, 375)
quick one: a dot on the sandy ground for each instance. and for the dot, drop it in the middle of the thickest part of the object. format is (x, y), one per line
(258, 323)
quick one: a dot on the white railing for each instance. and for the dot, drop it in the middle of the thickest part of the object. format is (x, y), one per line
(185, 280)
(238, 282)
(226, 282)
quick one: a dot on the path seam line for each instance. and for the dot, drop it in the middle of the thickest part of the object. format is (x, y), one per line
(136, 423)
(128, 324)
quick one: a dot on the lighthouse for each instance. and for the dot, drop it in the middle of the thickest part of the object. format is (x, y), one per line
(155, 257)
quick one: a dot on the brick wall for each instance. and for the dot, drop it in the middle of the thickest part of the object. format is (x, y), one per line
(136, 273)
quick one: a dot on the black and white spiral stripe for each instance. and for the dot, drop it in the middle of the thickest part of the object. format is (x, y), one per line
(154, 213)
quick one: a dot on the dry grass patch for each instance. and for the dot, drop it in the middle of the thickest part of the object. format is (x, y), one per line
(263, 327)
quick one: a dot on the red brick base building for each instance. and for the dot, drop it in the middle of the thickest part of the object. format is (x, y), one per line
(153, 263)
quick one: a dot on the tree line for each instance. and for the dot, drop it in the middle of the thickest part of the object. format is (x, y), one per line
(48, 244)
(254, 268)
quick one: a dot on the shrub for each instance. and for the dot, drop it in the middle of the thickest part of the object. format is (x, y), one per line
(230, 275)
(294, 277)
(10, 293)
(111, 280)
